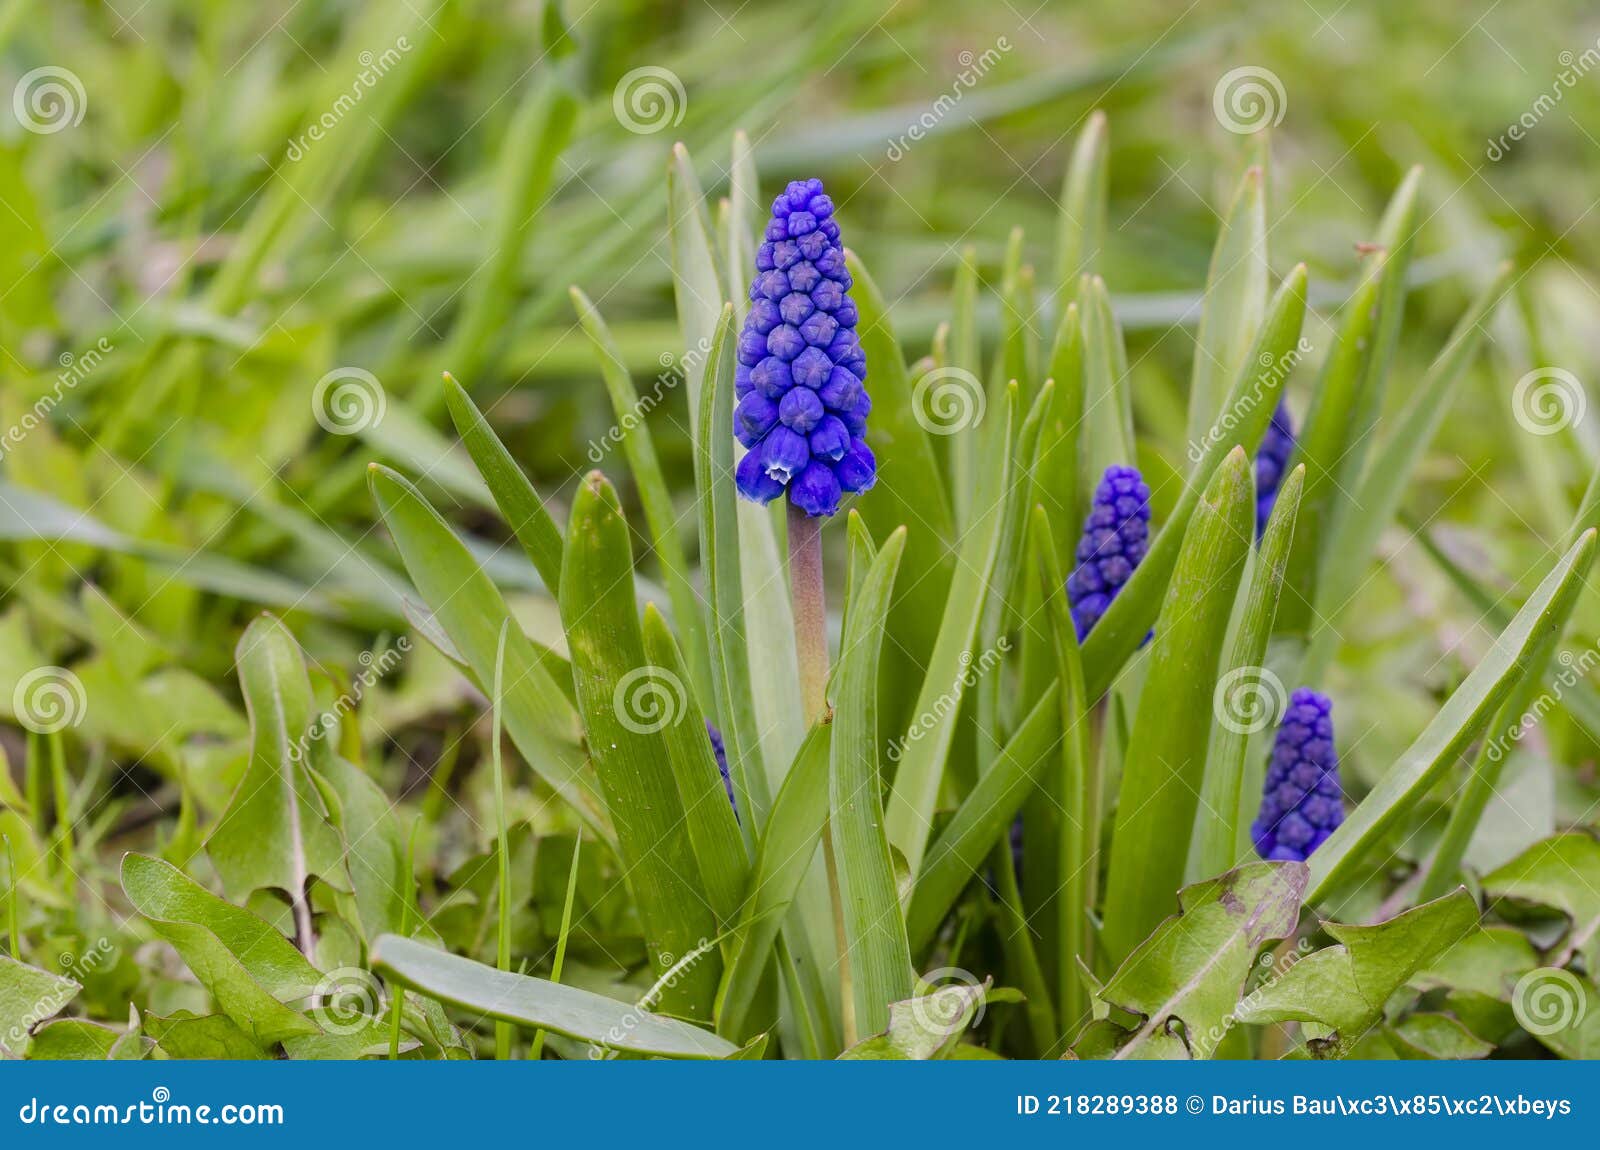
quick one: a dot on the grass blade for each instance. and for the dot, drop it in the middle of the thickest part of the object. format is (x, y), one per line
(875, 929)
(1078, 843)
(922, 758)
(1235, 301)
(1350, 551)
(1081, 227)
(1323, 443)
(469, 607)
(719, 558)
(910, 492)
(524, 512)
(787, 847)
(981, 820)
(654, 494)
(626, 702)
(708, 816)
(1238, 703)
(1165, 762)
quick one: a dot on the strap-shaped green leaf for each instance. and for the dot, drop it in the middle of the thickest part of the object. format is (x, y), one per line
(627, 703)
(922, 757)
(524, 512)
(874, 927)
(654, 495)
(540, 1004)
(1244, 684)
(469, 607)
(1165, 763)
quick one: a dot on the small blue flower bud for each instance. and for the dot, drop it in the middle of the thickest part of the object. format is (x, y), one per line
(802, 408)
(1115, 534)
(1301, 805)
(1271, 460)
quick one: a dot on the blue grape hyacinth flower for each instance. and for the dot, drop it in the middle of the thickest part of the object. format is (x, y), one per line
(1115, 536)
(1272, 460)
(803, 405)
(1301, 804)
(720, 750)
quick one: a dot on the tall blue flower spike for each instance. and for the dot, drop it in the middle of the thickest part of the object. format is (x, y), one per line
(719, 749)
(1271, 460)
(803, 405)
(1115, 536)
(1301, 804)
